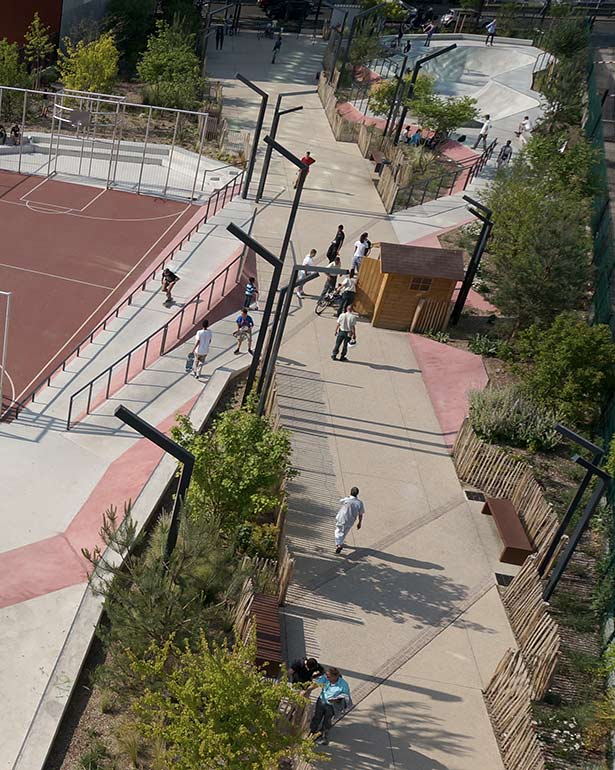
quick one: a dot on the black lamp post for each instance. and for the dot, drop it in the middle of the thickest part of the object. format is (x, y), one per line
(273, 133)
(484, 214)
(279, 324)
(175, 450)
(415, 73)
(257, 131)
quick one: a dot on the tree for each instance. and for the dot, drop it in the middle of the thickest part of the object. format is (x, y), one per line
(566, 158)
(383, 94)
(90, 66)
(38, 47)
(216, 709)
(364, 49)
(171, 68)
(539, 252)
(133, 22)
(571, 366)
(239, 466)
(146, 601)
(12, 73)
(444, 114)
(567, 39)
(390, 9)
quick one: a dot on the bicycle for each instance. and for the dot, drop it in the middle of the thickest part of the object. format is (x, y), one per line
(328, 298)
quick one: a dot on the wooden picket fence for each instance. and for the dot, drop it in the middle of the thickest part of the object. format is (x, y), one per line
(536, 632)
(508, 697)
(498, 474)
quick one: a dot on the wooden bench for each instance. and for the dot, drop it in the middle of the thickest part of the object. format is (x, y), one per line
(266, 618)
(379, 160)
(517, 545)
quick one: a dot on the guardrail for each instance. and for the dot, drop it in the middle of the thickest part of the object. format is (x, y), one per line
(131, 363)
(228, 192)
(443, 184)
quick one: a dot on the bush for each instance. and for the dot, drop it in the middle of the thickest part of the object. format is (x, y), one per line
(509, 416)
(90, 66)
(484, 345)
(240, 465)
(258, 540)
(571, 367)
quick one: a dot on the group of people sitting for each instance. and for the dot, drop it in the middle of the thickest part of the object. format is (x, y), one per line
(15, 134)
(334, 697)
(420, 136)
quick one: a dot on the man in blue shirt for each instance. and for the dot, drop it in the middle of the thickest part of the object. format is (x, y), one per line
(335, 693)
(244, 330)
(251, 293)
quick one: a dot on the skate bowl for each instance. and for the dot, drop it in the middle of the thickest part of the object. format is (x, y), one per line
(499, 78)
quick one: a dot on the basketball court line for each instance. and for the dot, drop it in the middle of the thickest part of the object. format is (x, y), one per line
(65, 209)
(69, 213)
(94, 312)
(12, 384)
(59, 277)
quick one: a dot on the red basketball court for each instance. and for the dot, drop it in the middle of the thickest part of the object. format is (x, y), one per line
(70, 253)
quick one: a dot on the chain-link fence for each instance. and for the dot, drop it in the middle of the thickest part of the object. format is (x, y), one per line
(104, 139)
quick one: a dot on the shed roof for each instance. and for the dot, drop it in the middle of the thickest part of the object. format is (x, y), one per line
(421, 260)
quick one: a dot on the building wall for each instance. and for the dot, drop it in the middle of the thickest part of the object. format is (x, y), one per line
(16, 15)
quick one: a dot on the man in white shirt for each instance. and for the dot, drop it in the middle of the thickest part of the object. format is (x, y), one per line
(482, 134)
(308, 261)
(348, 289)
(361, 249)
(344, 332)
(351, 509)
(202, 341)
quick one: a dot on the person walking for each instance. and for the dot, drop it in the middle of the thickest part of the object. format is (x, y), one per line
(335, 693)
(345, 331)
(430, 30)
(307, 159)
(308, 261)
(251, 295)
(338, 240)
(219, 37)
(202, 341)
(505, 155)
(351, 510)
(483, 133)
(491, 30)
(168, 281)
(276, 48)
(362, 248)
(348, 288)
(245, 324)
(2, 134)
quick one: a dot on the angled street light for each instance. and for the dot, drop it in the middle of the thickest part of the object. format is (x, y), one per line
(277, 114)
(281, 316)
(257, 131)
(175, 450)
(483, 213)
(415, 73)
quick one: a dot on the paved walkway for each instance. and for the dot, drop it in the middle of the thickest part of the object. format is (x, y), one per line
(410, 612)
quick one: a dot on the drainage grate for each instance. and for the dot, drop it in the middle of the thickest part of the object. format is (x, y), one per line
(503, 580)
(472, 494)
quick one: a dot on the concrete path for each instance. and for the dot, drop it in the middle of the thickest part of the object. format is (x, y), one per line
(410, 612)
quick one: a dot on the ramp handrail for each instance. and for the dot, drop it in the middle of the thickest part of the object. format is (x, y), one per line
(233, 186)
(163, 331)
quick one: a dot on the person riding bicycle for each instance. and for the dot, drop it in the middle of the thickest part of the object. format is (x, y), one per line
(331, 282)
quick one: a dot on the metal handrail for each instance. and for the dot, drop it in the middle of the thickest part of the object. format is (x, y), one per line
(469, 166)
(235, 185)
(127, 358)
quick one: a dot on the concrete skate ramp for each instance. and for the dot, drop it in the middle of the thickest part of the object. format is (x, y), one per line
(489, 75)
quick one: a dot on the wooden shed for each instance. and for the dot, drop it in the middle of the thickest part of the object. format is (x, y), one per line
(409, 288)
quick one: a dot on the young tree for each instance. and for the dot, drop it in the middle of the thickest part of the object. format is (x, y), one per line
(216, 709)
(539, 252)
(444, 114)
(132, 22)
(364, 49)
(38, 47)
(90, 66)
(383, 94)
(571, 367)
(171, 68)
(390, 9)
(12, 73)
(146, 601)
(239, 466)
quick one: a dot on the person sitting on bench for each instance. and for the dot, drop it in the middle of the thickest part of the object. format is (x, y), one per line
(335, 692)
